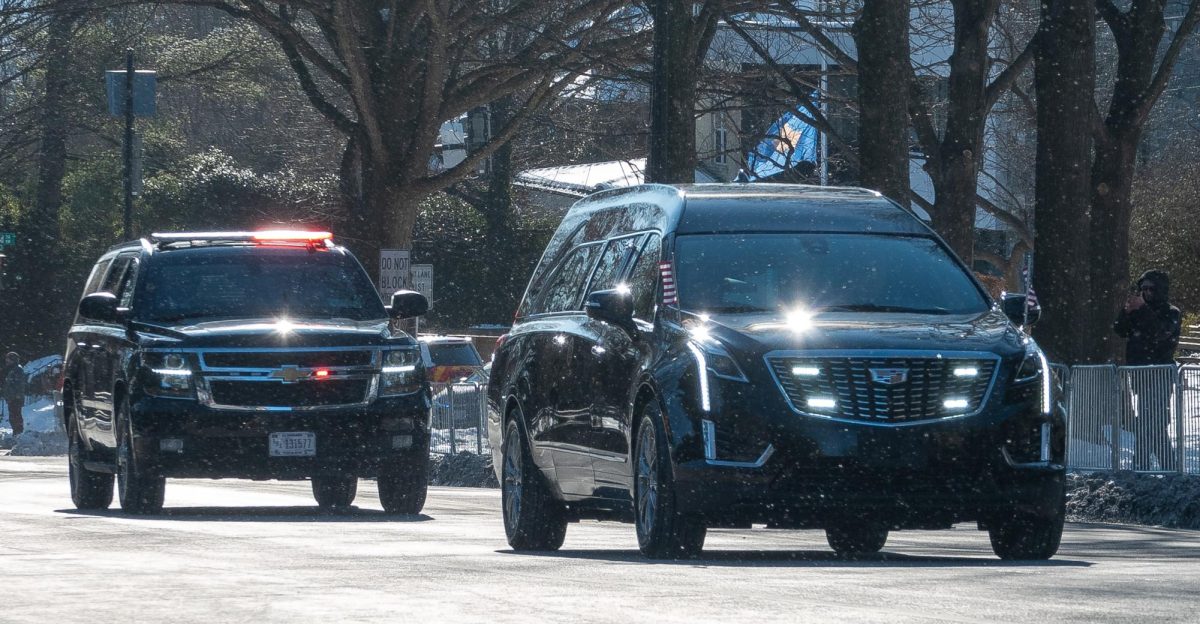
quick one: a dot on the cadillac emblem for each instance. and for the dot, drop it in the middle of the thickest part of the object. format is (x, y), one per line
(889, 376)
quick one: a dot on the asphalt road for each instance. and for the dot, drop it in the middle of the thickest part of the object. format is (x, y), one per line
(243, 551)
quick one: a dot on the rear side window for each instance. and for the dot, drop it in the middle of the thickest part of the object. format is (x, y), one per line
(454, 354)
(566, 287)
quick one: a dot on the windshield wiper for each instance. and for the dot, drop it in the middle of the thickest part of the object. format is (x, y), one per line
(736, 309)
(872, 307)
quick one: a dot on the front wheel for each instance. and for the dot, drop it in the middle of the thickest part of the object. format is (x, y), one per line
(856, 540)
(140, 491)
(1027, 535)
(403, 487)
(662, 531)
(533, 518)
(334, 492)
(89, 490)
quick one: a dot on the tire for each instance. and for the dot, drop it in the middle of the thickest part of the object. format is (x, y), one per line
(334, 492)
(403, 486)
(140, 492)
(89, 490)
(533, 518)
(662, 531)
(1029, 536)
(856, 539)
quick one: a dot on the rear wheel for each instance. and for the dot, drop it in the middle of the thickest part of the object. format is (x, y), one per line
(403, 486)
(1027, 535)
(140, 491)
(533, 518)
(334, 492)
(856, 539)
(662, 531)
(89, 490)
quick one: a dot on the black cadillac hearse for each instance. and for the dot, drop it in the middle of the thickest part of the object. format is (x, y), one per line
(261, 355)
(797, 357)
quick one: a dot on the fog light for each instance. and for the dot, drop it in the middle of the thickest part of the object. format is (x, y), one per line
(402, 441)
(170, 445)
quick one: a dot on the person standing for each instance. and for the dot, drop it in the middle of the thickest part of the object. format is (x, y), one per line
(1151, 326)
(14, 391)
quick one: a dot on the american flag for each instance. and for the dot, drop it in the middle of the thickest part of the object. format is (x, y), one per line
(1031, 300)
(669, 296)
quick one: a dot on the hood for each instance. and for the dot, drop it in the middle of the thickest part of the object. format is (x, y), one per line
(759, 334)
(1162, 287)
(271, 333)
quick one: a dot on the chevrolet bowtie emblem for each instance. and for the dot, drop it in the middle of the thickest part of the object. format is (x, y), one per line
(889, 376)
(290, 374)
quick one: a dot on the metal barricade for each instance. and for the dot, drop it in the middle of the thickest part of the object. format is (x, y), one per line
(1187, 418)
(1094, 440)
(458, 422)
(1147, 402)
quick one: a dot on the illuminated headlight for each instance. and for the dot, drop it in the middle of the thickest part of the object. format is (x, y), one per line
(1035, 369)
(711, 357)
(168, 375)
(402, 372)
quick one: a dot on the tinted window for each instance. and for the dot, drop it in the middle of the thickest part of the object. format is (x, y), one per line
(851, 272)
(93, 283)
(615, 255)
(566, 288)
(454, 354)
(256, 283)
(112, 282)
(129, 284)
(643, 280)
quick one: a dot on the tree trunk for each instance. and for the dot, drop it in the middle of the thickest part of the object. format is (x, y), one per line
(503, 278)
(1112, 210)
(1064, 80)
(672, 157)
(881, 37)
(957, 176)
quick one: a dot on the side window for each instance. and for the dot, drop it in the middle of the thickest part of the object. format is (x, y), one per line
(566, 287)
(93, 283)
(643, 279)
(614, 258)
(130, 283)
(116, 275)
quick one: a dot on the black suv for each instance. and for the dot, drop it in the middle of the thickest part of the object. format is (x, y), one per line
(800, 357)
(261, 355)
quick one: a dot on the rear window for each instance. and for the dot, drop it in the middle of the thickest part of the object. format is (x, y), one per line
(454, 354)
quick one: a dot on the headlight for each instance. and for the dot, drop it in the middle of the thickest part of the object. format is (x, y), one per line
(402, 372)
(168, 375)
(711, 357)
(1035, 368)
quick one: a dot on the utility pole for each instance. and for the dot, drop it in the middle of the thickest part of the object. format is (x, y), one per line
(128, 221)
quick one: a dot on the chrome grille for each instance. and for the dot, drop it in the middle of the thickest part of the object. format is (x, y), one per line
(281, 379)
(276, 394)
(902, 389)
(276, 359)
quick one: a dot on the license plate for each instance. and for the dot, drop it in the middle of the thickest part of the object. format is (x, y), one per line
(293, 444)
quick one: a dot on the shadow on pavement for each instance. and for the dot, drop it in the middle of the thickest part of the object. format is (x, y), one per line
(801, 558)
(258, 514)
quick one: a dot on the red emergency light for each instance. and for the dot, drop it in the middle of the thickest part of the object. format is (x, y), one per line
(321, 373)
(292, 235)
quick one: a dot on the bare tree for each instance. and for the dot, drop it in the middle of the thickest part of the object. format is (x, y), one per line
(882, 42)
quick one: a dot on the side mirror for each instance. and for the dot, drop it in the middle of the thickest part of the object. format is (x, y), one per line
(612, 306)
(101, 306)
(408, 304)
(1016, 307)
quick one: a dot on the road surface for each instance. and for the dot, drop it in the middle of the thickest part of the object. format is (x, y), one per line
(244, 551)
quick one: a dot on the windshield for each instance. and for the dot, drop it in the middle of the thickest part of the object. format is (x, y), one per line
(256, 283)
(454, 354)
(728, 273)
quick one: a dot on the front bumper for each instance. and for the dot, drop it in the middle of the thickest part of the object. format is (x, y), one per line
(181, 438)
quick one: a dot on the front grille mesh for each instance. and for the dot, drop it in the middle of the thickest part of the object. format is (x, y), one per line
(857, 395)
(276, 359)
(276, 394)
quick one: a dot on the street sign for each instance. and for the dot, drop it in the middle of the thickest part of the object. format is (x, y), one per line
(144, 85)
(422, 281)
(8, 238)
(394, 266)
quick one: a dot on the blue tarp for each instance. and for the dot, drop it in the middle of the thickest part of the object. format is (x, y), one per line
(788, 142)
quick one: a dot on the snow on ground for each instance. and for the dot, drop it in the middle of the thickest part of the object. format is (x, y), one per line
(42, 436)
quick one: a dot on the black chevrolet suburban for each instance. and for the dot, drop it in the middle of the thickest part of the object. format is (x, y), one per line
(261, 355)
(796, 357)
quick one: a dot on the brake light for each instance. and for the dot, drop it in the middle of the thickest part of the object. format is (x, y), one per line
(292, 235)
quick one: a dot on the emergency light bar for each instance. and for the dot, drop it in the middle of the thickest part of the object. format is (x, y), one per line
(264, 236)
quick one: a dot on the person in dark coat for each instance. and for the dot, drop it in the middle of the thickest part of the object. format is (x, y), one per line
(1151, 326)
(14, 391)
